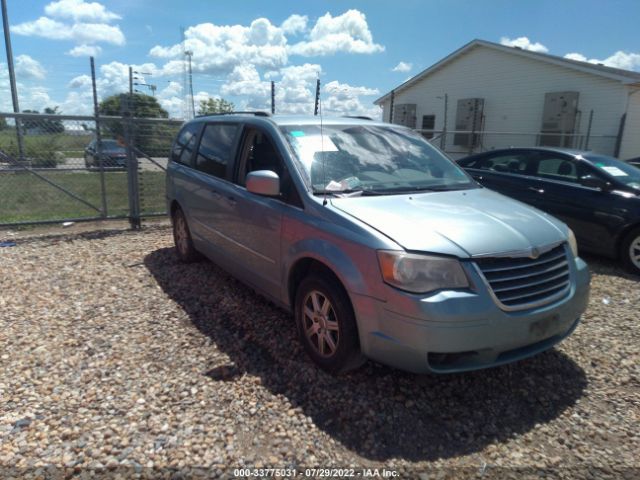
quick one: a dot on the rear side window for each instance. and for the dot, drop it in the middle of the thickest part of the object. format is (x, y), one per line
(185, 144)
(509, 163)
(216, 148)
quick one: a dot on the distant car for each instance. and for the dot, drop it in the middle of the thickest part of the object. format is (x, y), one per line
(113, 155)
(634, 161)
(596, 195)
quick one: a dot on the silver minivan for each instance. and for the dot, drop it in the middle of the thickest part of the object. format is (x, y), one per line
(380, 245)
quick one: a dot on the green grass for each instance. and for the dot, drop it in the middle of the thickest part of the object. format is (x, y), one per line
(25, 197)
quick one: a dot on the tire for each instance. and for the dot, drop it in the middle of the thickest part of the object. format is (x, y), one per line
(86, 162)
(630, 251)
(185, 249)
(329, 335)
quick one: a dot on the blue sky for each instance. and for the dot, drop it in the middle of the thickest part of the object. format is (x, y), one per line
(240, 46)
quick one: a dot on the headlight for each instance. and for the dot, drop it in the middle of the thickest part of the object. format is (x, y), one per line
(420, 273)
(573, 244)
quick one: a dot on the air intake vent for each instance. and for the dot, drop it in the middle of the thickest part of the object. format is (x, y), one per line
(518, 283)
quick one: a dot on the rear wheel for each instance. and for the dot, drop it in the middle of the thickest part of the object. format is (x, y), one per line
(630, 251)
(326, 324)
(187, 253)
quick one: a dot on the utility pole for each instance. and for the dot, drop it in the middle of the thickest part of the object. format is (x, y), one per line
(443, 137)
(273, 97)
(393, 98)
(192, 113)
(315, 109)
(130, 82)
(12, 76)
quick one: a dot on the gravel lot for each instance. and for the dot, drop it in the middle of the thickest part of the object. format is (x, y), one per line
(119, 361)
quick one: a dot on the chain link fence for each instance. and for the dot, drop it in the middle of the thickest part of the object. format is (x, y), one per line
(57, 168)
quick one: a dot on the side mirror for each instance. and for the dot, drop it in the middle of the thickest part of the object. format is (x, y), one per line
(592, 181)
(263, 182)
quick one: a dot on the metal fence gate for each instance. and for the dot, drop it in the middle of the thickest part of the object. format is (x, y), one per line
(60, 168)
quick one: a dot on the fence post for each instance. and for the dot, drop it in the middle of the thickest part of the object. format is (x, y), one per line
(132, 162)
(586, 143)
(96, 112)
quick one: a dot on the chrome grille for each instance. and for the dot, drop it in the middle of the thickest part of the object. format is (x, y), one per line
(523, 282)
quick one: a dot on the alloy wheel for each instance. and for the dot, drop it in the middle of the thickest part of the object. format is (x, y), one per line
(320, 323)
(181, 234)
(634, 252)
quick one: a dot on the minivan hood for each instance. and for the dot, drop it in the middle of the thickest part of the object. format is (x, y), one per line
(462, 223)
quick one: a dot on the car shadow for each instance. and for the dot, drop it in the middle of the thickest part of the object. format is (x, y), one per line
(605, 266)
(377, 412)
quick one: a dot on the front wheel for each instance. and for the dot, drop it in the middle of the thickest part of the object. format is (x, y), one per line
(187, 252)
(630, 251)
(326, 324)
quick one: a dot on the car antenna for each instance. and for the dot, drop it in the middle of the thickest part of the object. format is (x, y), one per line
(324, 171)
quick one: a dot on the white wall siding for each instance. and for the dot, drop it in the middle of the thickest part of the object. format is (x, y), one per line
(513, 88)
(630, 147)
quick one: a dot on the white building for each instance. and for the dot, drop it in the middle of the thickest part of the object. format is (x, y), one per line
(496, 96)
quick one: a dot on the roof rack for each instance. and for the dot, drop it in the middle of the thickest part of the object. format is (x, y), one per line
(361, 117)
(257, 114)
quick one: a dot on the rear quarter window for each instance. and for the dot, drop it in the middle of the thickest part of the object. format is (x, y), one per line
(185, 144)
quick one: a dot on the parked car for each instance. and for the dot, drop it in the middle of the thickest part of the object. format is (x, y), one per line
(634, 161)
(596, 195)
(380, 245)
(113, 154)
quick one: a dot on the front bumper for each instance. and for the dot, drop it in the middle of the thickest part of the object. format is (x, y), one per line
(454, 331)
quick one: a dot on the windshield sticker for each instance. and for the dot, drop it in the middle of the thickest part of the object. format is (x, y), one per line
(297, 133)
(614, 171)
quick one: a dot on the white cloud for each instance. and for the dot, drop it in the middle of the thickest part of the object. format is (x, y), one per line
(85, 51)
(295, 24)
(89, 24)
(27, 67)
(524, 43)
(402, 67)
(620, 59)
(80, 11)
(97, 32)
(80, 32)
(80, 81)
(348, 33)
(43, 27)
(344, 90)
(220, 48)
(576, 56)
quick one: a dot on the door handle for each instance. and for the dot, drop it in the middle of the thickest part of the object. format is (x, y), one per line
(231, 200)
(534, 189)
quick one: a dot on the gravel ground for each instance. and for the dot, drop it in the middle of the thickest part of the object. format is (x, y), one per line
(119, 361)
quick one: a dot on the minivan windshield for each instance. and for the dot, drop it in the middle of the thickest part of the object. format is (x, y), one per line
(620, 171)
(373, 159)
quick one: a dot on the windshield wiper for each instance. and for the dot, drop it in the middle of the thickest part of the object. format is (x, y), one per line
(350, 192)
(433, 188)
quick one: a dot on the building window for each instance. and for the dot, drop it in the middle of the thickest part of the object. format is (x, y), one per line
(428, 125)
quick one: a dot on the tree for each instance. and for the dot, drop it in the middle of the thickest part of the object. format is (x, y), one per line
(53, 126)
(214, 105)
(149, 137)
(143, 106)
(43, 126)
(3, 123)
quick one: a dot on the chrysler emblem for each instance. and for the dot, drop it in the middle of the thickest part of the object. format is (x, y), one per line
(535, 253)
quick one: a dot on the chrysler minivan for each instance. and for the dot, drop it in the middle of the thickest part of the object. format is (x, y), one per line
(379, 245)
